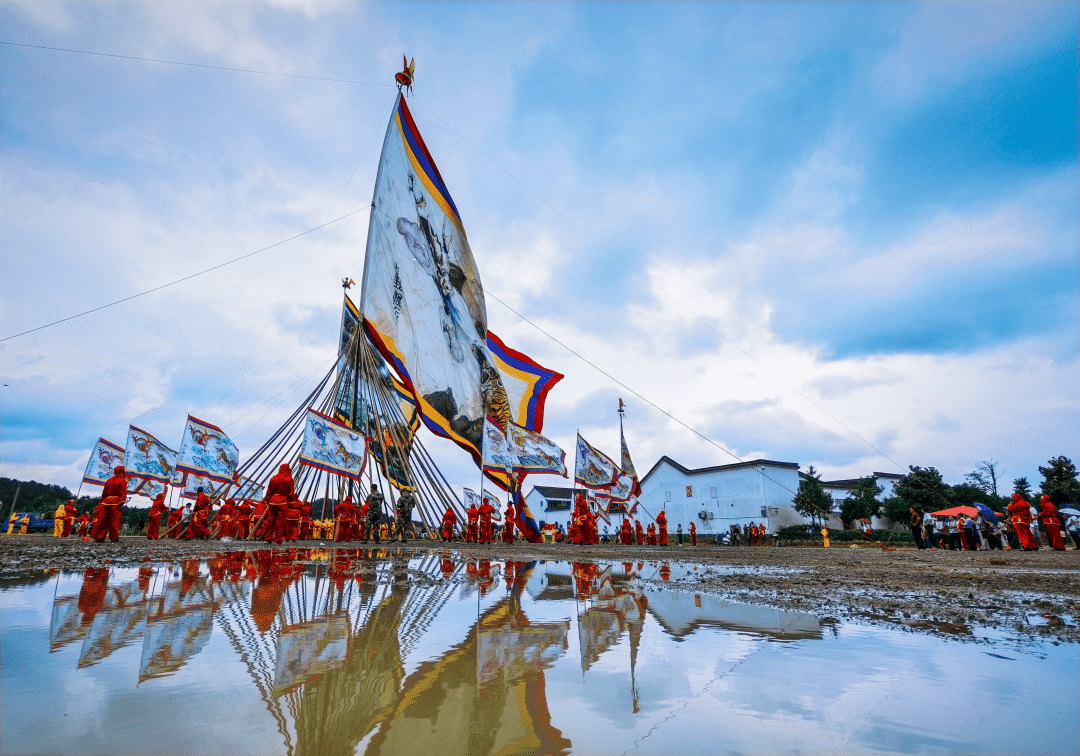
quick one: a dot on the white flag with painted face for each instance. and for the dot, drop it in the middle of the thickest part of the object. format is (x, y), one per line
(421, 298)
(534, 453)
(593, 468)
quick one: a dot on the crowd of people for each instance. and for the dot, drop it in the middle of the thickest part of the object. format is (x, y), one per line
(281, 516)
(1020, 529)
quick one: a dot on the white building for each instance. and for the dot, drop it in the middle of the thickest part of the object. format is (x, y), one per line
(842, 489)
(760, 491)
(551, 504)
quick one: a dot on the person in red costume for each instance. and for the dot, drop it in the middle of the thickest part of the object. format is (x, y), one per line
(157, 509)
(172, 525)
(661, 522)
(1020, 510)
(199, 526)
(224, 525)
(639, 532)
(278, 493)
(84, 525)
(113, 496)
(485, 512)
(693, 534)
(259, 519)
(625, 534)
(449, 520)
(292, 519)
(346, 515)
(508, 524)
(472, 533)
(652, 534)
(1052, 523)
(243, 518)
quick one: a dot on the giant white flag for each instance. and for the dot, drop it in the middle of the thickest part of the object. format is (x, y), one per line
(593, 468)
(535, 453)
(421, 297)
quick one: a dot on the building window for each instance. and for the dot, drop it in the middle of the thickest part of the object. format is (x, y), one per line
(689, 491)
(667, 495)
(554, 504)
(617, 508)
(712, 491)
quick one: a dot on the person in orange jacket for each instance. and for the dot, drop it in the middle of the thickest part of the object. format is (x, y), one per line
(661, 523)
(449, 520)
(508, 524)
(157, 509)
(693, 533)
(472, 532)
(113, 496)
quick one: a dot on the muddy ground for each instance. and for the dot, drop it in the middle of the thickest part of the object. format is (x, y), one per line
(1029, 593)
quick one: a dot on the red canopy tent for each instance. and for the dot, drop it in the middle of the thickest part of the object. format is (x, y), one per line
(968, 511)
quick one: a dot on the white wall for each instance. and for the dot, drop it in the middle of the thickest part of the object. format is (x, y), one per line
(740, 495)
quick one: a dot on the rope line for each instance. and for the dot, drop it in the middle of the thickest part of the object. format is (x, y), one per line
(185, 278)
(196, 65)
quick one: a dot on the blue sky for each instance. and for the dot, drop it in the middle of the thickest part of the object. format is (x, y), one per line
(789, 225)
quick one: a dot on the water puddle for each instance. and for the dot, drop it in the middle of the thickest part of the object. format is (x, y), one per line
(375, 652)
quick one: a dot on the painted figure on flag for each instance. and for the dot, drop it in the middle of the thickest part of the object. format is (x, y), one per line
(192, 483)
(331, 446)
(105, 456)
(207, 451)
(421, 297)
(592, 468)
(146, 457)
(535, 453)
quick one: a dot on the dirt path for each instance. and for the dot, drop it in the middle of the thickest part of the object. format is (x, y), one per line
(1034, 593)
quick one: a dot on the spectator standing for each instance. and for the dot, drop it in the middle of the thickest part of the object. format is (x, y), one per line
(916, 528)
(928, 529)
(1072, 525)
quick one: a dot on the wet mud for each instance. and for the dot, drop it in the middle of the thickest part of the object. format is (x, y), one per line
(940, 592)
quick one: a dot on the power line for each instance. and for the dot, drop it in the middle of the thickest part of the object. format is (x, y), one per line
(185, 278)
(197, 65)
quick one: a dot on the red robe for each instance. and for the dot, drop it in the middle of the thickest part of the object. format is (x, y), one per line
(661, 521)
(449, 520)
(84, 525)
(652, 534)
(693, 534)
(508, 524)
(485, 511)
(473, 532)
(157, 509)
(640, 533)
(293, 515)
(225, 522)
(199, 524)
(243, 519)
(346, 516)
(625, 534)
(113, 496)
(1021, 520)
(1049, 517)
(278, 493)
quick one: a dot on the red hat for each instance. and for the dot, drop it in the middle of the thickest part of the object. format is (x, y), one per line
(119, 470)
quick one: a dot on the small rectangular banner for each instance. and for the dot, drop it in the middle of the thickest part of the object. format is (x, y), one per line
(535, 453)
(332, 446)
(206, 451)
(105, 456)
(592, 468)
(146, 457)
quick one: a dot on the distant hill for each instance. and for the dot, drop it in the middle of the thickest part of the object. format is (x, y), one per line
(33, 496)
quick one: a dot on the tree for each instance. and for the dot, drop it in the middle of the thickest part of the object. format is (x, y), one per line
(985, 476)
(863, 504)
(1060, 483)
(968, 496)
(921, 488)
(1022, 487)
(812, 501)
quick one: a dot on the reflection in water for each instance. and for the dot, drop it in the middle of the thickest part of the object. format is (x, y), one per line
(376, 651)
